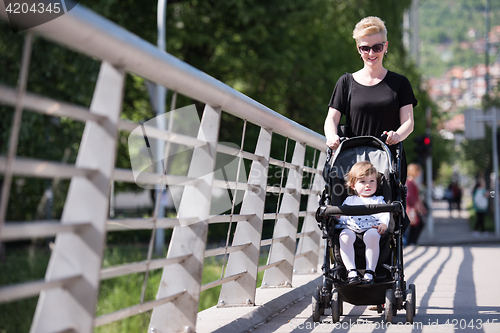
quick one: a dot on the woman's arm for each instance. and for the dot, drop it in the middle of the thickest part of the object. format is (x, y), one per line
(406, 116)
(331, 122)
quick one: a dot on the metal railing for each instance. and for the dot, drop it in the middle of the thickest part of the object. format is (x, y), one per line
(69, 292)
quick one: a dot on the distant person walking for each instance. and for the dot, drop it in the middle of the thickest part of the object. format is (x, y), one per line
(415, 208)
(480, 203)
(454, 196)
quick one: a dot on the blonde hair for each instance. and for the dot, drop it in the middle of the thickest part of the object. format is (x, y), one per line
(414, 170)
(368, 26)
(359, 170)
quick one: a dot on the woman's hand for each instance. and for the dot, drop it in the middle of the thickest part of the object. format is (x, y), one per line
(381, 228)
(333, 141)
(392, 137)
(331, 122)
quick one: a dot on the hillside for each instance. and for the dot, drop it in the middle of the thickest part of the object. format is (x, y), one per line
(452, 34)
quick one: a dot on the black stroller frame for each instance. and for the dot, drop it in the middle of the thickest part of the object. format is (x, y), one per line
(388, 291)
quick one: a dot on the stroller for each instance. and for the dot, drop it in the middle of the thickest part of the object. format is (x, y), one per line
(388, 290)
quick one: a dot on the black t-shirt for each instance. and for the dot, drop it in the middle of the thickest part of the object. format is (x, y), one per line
(373, 109)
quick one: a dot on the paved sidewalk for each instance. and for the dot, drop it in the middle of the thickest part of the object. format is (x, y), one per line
(454, 294)
(269, 302)
(454, 230)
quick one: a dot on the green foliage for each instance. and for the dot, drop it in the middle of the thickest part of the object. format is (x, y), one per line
(444, 175)
(492, 100)
(58, 73)
(286, 55)
(212, 269)
(125, 291)
(21, 265)
(477, 155)
(115, 294)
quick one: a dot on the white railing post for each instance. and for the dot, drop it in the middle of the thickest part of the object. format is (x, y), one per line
(310, 243)
(180, 314)
(72, 307)
(242, 290)
(281, 275)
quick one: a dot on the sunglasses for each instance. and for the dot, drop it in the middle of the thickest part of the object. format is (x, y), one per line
(377, 48)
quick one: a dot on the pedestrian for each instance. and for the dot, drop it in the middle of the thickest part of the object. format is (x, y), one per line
(362, 181)
(374, 100)
(454, 197)
(480, 204)
(415, 208)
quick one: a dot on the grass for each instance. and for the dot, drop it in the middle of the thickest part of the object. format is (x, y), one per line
(21, 265)
(212, 271)
(115, 294)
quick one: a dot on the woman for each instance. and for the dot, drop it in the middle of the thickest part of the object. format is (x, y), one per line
(379, 102)
(480, 202)
(415, 208)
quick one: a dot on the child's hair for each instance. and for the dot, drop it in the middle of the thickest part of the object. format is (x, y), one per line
(359, 170)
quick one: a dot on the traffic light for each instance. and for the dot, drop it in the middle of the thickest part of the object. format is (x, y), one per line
(423, 146)
(428, 146)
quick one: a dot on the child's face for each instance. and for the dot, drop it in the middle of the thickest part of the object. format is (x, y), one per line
(366, 186)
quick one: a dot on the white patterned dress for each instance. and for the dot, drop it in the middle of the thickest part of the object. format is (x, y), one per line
(360, 224)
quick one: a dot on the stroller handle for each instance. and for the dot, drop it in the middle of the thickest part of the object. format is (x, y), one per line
(329, 151)
(358, 210)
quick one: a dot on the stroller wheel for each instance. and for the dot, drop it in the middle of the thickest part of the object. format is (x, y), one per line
(414, 290)
(337, 306)
(316, 304)
(324, 296)
(389, 305)
(410, 303)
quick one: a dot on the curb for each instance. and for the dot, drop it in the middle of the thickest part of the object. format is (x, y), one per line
(462, 242)
(269, 309)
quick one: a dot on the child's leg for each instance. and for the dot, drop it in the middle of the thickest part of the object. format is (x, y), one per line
(372, 240)
(347, 238)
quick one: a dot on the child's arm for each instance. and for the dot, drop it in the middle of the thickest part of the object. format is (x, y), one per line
(384, 222)
(384, 218)
(381, 228)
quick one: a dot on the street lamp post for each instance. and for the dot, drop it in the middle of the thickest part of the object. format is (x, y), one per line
(495, 168)
(428, 166)
(496, 204)
(161, 93)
